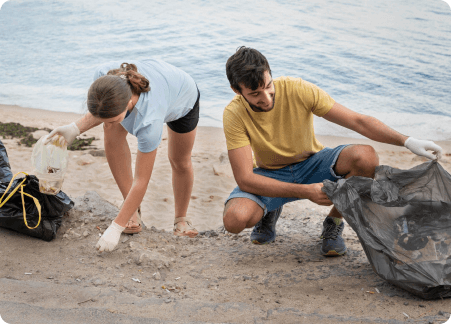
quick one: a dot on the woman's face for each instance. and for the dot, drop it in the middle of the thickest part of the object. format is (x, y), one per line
(118, 118)
(114, 120)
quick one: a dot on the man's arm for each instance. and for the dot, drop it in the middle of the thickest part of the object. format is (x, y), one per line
(367, 126)
(376, 130)
(247, 180)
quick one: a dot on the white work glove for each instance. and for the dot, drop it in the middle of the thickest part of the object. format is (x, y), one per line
(110, 238)
(420, 147)
(69, 132)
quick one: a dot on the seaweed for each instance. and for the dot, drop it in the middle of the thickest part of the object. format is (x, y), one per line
(11, 130)
(16, 130)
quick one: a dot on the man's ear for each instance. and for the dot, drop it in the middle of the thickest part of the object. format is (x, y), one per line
(235, 90)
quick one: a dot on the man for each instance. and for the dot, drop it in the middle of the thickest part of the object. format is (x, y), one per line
(274, 120)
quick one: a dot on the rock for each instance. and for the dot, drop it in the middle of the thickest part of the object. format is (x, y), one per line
(98, 282)
(157, 276)
(90, 207)
(152, 258)
(134, 246)
(209, 233)
(100, 153)
(224, 158)
(85, 233)
(39, 133)
(85, 159)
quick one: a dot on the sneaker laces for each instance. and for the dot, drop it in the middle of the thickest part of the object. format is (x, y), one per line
(331, 232)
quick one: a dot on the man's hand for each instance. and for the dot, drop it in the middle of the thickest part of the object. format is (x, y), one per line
(110, 238)
(69, 132)
(420, 147)
(317, 195)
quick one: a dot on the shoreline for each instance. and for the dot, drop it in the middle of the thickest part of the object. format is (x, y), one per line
(68, 117)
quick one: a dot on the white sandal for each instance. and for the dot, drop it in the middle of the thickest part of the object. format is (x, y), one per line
(134, 229)
(186, 229)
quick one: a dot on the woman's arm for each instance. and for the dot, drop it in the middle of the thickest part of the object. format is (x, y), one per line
(71, 131)
(143, 171)
(87, 122)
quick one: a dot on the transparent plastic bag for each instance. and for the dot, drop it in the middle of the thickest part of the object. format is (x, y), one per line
(50, 163)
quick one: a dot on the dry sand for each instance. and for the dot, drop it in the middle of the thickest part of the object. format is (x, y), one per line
(214, 278)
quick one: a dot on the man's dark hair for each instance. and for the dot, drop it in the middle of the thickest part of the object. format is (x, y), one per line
(247, 66)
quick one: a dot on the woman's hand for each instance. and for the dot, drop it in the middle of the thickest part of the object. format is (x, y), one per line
(110, 238)
(69, 132)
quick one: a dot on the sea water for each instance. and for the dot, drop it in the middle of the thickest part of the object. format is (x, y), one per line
(389, 59)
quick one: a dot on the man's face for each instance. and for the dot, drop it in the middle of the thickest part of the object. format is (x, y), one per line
(261, 99)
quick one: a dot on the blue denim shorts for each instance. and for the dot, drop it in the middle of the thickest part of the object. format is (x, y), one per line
(315, 169)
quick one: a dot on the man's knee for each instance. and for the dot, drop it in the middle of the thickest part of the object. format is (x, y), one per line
(238, 216)
(365, 160)
(234, 220)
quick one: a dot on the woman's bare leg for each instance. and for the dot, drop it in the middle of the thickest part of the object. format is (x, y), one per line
(180, 147)
(119, 159)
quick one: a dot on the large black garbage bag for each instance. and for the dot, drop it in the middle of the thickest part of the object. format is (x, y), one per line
(403, 221)
(53, 207)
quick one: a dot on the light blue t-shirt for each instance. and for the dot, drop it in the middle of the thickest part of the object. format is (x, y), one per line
(172, 95)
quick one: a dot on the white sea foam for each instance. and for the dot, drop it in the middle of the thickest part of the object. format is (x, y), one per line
(421, 126)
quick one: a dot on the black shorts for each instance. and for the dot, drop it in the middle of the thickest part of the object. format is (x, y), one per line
(188, 122)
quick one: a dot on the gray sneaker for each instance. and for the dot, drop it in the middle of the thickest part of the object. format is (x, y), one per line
(333, 243)
(264, 231)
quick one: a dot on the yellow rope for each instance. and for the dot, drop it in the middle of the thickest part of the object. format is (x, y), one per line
(21, 185)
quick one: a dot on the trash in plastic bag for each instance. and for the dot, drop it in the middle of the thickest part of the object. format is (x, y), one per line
(50, 163)
(24, 208)
(403, 221)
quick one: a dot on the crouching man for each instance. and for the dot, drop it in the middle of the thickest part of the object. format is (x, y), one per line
(273, 118)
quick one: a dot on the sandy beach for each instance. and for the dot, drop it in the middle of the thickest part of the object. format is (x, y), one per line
(214, 278)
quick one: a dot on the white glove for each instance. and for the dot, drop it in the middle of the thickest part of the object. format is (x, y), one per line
(420, 147)
(110, 238)
(69, 132)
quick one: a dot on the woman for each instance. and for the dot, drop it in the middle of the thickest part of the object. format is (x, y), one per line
(139, 98)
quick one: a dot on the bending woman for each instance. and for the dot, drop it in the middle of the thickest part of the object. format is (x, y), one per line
(138, 98)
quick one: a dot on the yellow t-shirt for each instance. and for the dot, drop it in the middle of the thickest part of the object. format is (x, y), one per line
(285, 134)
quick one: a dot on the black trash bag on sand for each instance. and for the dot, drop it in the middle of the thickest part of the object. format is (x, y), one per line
(53, 207)
(403, 221)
